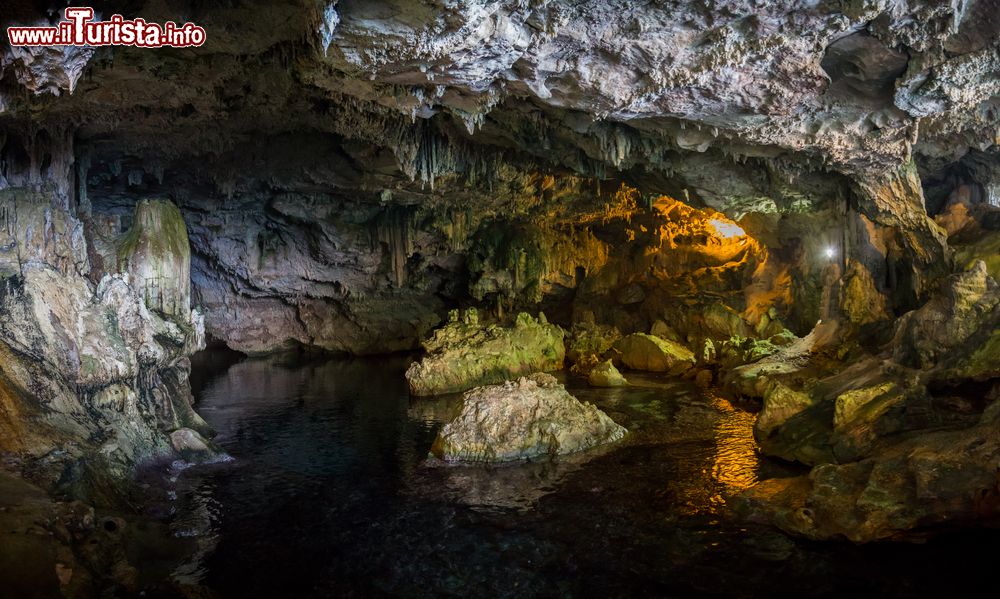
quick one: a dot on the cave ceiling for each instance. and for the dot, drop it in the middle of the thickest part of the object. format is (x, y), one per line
(728, 102)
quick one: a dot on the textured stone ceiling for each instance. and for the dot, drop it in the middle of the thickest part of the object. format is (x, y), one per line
(592, 87)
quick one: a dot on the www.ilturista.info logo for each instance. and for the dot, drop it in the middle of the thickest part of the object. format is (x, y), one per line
(80, 29)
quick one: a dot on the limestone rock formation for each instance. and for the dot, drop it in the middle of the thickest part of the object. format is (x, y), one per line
(606, 375)
(58, 548)
(967, 307)
(531, 417)
(890, 450)
(402, 139)
(589, 343)
(466, 353)
(640, 351)
(88, 371)
(939, 477)
(722, 176)
(779, 405)
(156, 254)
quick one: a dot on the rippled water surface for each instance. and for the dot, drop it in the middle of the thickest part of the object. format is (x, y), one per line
(331, 494)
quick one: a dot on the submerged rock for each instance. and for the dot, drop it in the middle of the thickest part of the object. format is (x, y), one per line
(533, 416)
(606, 375)
(640, 351)
(464, 353)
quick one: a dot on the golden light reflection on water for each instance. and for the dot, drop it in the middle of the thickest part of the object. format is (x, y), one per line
(735, 463)
(730, 467)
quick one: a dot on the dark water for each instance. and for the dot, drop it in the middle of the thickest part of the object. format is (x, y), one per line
(330, 494)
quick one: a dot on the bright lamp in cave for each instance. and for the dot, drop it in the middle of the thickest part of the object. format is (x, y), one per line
(830, 252)
(726, 229)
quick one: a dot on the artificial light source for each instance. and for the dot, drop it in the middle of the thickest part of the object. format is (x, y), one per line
(830, 252)
(726, 229)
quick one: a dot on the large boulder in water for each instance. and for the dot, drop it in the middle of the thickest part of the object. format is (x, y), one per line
(464, 353)
(533, 416)
(606, 375)
(640, 351)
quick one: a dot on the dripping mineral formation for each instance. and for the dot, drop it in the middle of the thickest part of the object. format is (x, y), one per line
(792, 203)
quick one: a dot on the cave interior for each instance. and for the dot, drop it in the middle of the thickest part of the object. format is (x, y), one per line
(793, 207)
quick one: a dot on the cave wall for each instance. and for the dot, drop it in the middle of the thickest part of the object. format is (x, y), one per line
(347, 172)
(94, 375)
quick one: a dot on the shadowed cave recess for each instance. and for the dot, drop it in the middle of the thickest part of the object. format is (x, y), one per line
(789, 209)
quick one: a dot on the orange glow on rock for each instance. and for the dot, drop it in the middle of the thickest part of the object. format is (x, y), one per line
(726, 229)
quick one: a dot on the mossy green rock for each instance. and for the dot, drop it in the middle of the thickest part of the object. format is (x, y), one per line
(780, 403)
(156, 254)
(464, 353)
(606, 375)
(736, 350)
(950, 323)
(981, 364)
(528, 418)
(985, 248)
(640, 351)
(591, 341)
(861, 404)
(860, 300)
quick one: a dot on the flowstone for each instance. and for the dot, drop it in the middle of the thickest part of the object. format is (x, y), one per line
(156, 254)
(95, 377)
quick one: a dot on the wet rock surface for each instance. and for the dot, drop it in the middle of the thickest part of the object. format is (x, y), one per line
(466, 353)
(646, 352)
(606, 375)
(56, 547)
(93, 377)
(531, 417)
(892, 447)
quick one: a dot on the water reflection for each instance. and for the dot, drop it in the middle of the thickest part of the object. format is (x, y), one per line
(736, 465)
(343, 437)
(332, 494)
(199, 519)
(709, 441)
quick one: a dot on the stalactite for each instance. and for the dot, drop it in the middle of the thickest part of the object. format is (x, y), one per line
(456, 229)
(394, 230)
